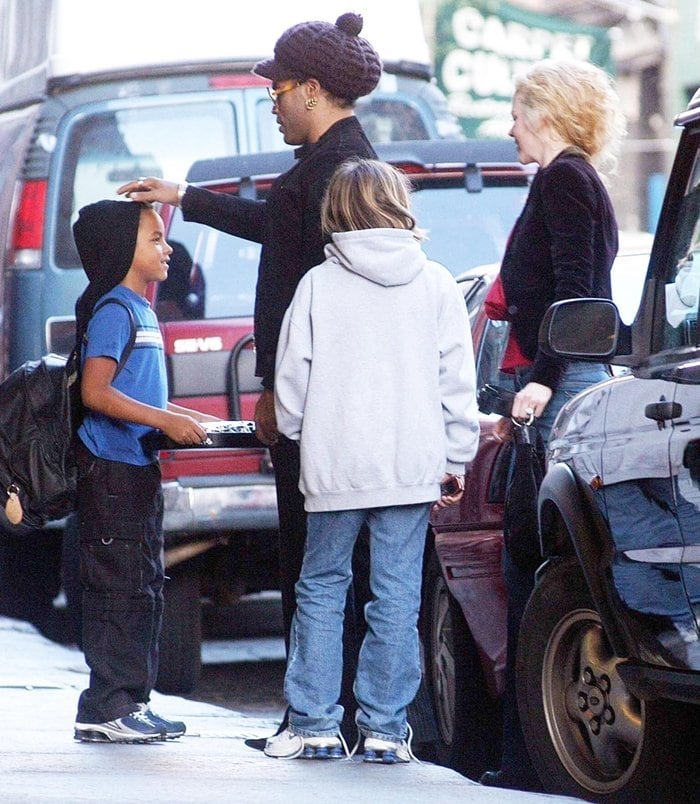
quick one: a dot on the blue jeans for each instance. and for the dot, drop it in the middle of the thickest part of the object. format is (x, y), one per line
(388, 672)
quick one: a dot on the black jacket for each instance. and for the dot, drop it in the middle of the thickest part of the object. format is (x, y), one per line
(288, 224)
(562, 247)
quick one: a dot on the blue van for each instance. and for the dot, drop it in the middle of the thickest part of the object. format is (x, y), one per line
(73, 128)
(80, 114)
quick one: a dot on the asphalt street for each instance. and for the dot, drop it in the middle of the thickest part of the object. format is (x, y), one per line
(41, 762)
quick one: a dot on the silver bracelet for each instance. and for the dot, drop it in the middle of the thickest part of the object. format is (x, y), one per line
(181, 190)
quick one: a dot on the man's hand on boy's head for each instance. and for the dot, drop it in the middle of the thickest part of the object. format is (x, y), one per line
(150, 189)
(183, 429)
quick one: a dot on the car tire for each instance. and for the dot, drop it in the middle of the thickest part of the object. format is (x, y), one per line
(587, 734)
(30, 578)
(468, 720)
(180, 656)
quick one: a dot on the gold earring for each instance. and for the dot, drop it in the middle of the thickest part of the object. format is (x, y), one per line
(311, 102)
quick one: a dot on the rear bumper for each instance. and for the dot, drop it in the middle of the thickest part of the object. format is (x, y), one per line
(220, 503)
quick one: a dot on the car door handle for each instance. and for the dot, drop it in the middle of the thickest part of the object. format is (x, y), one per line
(663, 411)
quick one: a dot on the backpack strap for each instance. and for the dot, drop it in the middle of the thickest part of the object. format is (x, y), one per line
(132, 335)
(73, 368)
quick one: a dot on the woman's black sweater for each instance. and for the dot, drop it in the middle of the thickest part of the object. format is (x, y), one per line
(562, 246)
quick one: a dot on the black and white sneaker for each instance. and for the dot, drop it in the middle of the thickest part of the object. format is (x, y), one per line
(133, 728)
(172, 728)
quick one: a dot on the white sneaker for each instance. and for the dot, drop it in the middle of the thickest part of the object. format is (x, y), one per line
(288, 745)
(285, 745)
(324, 748)
(389, 752)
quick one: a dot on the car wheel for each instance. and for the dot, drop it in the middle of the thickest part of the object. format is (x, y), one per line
(587, 734)
(468, 720)
(180, 659)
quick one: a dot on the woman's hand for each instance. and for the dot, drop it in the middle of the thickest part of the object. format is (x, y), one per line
(530, 402)
(150, 189)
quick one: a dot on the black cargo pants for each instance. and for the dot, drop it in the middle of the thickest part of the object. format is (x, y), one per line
(120, 513)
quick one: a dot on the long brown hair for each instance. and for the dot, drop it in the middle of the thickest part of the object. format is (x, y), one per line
(367, 194)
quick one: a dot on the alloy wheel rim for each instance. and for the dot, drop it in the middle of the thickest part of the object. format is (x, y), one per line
(596, 725)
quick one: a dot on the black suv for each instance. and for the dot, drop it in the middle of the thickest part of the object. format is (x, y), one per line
(609, 654)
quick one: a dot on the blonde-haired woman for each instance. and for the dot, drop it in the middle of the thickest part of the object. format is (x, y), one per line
(566, 119)
(375, 380)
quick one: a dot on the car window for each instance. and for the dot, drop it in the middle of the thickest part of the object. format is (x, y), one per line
(490, 353)
(467, 229)
(224, 268)
(390, 119)
(627, 279)
(213, 274)
(683, 270)
(384, 118)
(105, 149)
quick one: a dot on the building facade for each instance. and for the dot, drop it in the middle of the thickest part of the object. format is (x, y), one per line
(649, 47)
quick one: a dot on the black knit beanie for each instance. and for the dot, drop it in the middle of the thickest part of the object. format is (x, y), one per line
(344, 63)
(105, 235)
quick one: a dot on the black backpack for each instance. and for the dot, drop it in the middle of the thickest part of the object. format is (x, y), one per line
(40, 412)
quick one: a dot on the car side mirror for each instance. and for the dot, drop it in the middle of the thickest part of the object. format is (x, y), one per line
(581, 329)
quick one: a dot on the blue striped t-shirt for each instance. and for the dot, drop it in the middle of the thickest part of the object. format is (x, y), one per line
(142, 378)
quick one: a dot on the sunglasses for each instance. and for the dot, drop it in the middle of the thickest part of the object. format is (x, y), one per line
(275, 93)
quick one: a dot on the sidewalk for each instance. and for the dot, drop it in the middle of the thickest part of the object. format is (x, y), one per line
(40, 762)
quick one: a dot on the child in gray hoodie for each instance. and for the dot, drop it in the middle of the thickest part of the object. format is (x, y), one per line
(375, 379)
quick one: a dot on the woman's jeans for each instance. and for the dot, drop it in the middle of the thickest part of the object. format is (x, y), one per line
(515, 763)
(389, 672)
(120, 511)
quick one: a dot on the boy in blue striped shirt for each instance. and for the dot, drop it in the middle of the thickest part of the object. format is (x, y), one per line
(122, 248)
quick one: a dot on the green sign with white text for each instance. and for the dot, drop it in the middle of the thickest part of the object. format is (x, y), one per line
(482, 45)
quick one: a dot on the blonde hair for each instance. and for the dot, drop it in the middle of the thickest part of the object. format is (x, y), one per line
(579, 101)
(367, 194)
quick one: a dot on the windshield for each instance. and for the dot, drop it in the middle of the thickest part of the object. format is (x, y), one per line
(467, 229)
(107, 149)
(215, 275)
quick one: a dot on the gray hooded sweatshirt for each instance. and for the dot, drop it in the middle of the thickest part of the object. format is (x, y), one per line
(375, 374)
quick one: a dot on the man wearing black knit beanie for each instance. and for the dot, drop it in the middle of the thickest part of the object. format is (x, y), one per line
(318, 71)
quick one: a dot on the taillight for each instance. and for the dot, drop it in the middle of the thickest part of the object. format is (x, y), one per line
(29, 221)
